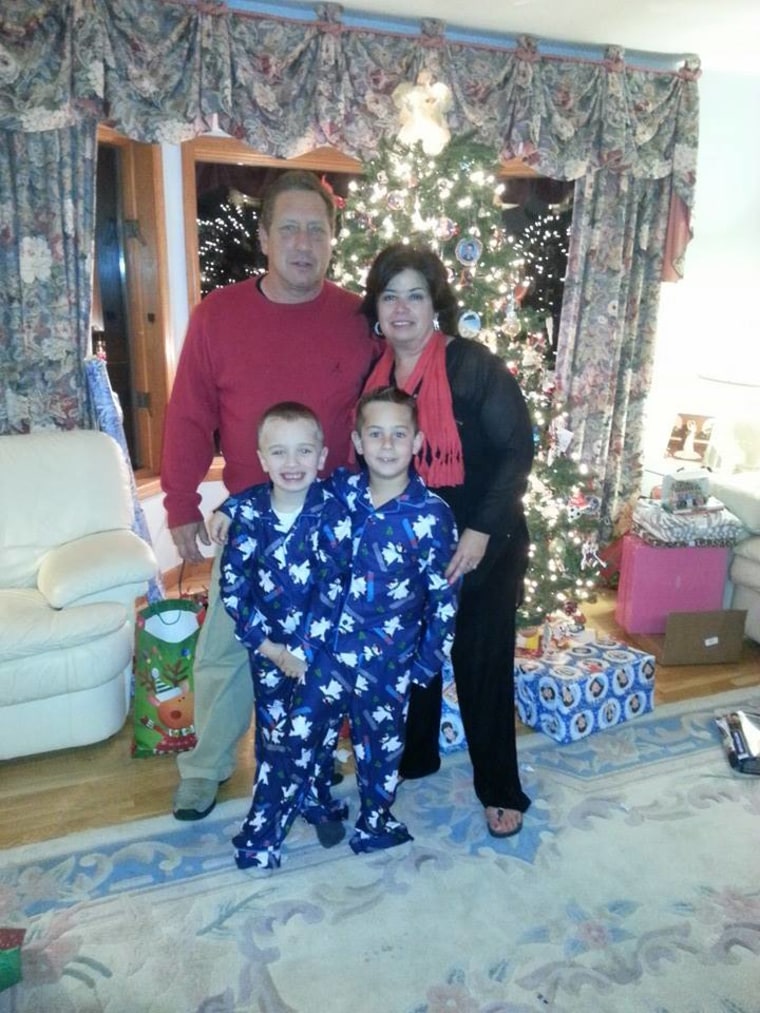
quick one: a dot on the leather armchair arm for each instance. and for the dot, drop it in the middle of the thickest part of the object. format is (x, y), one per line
(93, 565)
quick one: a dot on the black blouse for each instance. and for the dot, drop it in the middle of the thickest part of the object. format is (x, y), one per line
(497, 444)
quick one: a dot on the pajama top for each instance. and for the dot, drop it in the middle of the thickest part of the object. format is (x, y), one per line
(399, 609)
(285, 585)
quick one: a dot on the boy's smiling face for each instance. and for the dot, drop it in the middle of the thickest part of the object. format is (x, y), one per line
(387, 439)
(291, 452)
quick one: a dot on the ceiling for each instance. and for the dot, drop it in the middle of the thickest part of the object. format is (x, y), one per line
(725, 34)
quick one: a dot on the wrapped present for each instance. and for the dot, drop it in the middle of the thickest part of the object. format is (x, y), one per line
(713, 525)
(451, 738)
(560, 630)
(570, 694)
(658, 580)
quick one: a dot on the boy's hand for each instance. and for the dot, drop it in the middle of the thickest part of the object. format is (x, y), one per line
(290, 665)
(218, 526)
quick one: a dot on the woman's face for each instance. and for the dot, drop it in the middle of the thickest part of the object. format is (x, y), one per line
(405, 311)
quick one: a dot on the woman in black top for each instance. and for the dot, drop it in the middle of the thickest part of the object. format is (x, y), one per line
(477, 455)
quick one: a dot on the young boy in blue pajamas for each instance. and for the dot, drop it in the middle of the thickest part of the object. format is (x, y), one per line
(396, 627)
(285, 567)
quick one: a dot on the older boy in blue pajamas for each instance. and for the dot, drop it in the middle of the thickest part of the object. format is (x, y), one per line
(396, 628)
(284, 571)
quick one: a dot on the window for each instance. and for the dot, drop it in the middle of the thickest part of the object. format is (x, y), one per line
(216, 168)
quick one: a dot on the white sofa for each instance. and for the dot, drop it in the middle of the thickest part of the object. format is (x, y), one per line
(70, 570)
(740, 492)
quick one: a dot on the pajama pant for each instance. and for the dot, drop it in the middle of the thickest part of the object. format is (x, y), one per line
(261, 834)
(377, 714)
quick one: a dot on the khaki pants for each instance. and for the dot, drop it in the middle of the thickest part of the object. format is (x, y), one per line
(223, 693)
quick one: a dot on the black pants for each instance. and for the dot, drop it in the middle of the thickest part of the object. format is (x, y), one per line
(483, 660)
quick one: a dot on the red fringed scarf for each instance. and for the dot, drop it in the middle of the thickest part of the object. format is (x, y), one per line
(440, 460)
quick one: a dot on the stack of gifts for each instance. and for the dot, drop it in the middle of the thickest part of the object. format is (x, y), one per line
(571, 681)
(683, 513)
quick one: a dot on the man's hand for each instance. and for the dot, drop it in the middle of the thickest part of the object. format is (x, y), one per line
(184, 538)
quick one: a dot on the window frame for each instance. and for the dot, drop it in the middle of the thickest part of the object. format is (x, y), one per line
(228, 150)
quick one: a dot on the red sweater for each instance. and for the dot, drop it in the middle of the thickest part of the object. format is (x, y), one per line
(243, 353)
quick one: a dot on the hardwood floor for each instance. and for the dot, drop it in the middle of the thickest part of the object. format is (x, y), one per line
(54, 794)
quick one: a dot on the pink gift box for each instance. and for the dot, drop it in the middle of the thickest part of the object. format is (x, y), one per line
(658, 579)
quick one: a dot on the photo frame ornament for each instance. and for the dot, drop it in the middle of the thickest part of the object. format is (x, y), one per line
(468, 250)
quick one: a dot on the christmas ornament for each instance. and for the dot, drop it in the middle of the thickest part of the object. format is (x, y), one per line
(468, 250)
(469, 324)
(446, 229)
(590, 554)
(511, 325)
(576, 505)
(422, 108)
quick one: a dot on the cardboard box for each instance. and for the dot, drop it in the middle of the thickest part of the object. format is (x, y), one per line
(704, 638)
(588, 688)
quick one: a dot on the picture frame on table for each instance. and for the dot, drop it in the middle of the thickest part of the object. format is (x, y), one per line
(689, 438)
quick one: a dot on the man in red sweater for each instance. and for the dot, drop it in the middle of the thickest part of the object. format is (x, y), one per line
(286, 335)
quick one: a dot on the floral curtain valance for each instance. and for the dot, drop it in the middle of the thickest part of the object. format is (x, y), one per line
(158, 70)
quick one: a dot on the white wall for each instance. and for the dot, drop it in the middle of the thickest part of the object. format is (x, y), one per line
(708, 321)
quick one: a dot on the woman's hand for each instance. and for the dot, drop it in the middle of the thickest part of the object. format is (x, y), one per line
(471, 548)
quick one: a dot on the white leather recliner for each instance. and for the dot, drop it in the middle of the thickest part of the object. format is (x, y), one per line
(734, 456)
(71, 568)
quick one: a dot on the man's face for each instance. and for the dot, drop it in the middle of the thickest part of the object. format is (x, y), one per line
(298, 245)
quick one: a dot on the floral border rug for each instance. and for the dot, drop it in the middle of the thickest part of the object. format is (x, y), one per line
(633, 886)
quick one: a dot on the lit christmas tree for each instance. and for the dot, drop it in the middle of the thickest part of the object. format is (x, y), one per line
(508, 293)
(227, 243)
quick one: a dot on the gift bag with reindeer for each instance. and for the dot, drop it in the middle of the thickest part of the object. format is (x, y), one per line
(164, 652)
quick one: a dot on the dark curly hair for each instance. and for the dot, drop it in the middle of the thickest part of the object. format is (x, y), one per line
(400, 257)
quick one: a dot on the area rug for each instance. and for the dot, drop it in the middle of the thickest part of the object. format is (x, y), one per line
(634, 886)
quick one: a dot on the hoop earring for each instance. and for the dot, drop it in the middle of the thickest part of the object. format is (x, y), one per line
(436, 322)
(377, 329)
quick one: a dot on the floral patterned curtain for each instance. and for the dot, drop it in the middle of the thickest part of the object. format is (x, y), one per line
(607, 329)
(47, 220)
(161, 70)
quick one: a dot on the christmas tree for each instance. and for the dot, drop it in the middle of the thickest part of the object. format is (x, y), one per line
(227, 239)
(508, 291)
